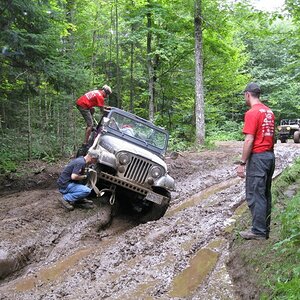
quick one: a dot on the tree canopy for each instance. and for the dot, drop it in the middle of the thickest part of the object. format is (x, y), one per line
(53, 51)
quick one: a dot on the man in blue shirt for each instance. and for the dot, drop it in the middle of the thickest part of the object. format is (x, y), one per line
(70, 181)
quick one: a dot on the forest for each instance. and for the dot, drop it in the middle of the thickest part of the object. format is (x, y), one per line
(181, 64)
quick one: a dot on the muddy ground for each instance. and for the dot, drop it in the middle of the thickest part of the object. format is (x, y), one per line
(49, 253)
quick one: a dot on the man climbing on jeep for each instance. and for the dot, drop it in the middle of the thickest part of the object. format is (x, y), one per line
(86, 104)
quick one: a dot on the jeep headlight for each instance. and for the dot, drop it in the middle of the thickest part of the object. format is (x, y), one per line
(123, 158)
(156, 172)
(288, 128)
(279, 128)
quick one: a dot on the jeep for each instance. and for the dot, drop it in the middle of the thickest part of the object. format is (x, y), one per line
(289, 128)
(131, 167)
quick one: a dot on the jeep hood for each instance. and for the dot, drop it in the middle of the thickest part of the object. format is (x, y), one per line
(114, 144)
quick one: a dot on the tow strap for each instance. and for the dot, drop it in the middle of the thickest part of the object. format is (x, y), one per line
(92, 180)
(91, 183)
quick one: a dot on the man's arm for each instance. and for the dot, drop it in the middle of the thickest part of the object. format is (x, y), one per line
(77, 177)
(78, 168)
(247, 149)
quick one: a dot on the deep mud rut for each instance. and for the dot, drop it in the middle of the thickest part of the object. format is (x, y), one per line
(48, 253)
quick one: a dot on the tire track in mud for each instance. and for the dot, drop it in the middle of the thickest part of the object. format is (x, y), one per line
(155, 260)
(184, 231)
(51, 242)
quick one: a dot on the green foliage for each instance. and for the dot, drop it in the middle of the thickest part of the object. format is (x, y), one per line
(54, 51)
(12, 152)
(288, 272)
(288, 177)
(273, 61)
(176, 144)
(290, 219)
(226, 131)
(291, 224)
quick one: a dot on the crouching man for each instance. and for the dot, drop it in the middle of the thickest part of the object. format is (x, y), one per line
(70, 182)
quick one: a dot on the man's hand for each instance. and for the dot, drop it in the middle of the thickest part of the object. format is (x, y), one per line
(241, 171)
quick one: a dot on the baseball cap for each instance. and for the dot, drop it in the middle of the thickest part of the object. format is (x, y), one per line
(252, 87)
(107, 89)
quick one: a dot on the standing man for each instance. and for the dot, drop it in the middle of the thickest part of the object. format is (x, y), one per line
(86, 104)
(259, 160)
(70, 182)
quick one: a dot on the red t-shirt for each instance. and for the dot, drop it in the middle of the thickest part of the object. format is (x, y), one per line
(259, 121)
(91, 99)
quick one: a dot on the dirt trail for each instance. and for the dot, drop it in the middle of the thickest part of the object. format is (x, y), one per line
(48, 253)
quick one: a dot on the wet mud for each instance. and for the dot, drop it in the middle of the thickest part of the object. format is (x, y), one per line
(49, 253)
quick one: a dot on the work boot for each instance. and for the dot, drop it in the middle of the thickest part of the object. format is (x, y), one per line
(66, 204)
(249, 235)
(84, 203)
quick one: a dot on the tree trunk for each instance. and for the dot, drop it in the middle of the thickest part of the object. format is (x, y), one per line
(131, 75)
(3, 116)
(119, 100)
(94, 50)
(29, 136)
(150, 63)
(199, 91)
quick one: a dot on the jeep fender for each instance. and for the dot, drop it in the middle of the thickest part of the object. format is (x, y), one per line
(108, 159)
(166, 182)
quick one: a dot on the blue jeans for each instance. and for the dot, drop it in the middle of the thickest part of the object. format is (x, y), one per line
(75, 191)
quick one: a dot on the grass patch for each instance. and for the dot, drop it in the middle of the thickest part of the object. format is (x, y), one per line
(270, 269)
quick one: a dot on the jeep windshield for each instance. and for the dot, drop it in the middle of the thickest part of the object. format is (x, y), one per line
(289, 122)
(137, 130)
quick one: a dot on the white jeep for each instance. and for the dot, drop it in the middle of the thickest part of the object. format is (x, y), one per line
(131, 167)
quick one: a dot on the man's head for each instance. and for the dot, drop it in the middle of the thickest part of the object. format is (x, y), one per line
(253, 88)
(107, 90)
(92, 156)
(251, 93)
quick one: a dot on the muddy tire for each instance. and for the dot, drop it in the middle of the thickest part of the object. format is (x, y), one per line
(155, 211)
(297, 137)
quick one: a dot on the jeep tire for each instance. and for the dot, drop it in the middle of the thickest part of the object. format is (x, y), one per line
(297, 137)
(155, 211)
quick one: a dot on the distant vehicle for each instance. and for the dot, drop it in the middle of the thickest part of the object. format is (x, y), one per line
(289, 129)
(131, 168)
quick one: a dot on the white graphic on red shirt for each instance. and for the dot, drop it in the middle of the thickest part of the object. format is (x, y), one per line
(92, 94)
(268, 123)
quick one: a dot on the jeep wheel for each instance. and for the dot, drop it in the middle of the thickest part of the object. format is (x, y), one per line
(297, 137)
(155, 211)
(283, 140)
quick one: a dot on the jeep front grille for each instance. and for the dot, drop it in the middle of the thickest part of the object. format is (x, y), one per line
(137, 170)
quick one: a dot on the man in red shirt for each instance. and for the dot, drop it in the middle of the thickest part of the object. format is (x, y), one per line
(259, 160)
(86, 104)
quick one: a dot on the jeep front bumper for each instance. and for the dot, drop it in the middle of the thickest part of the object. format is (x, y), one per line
(147, 193)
